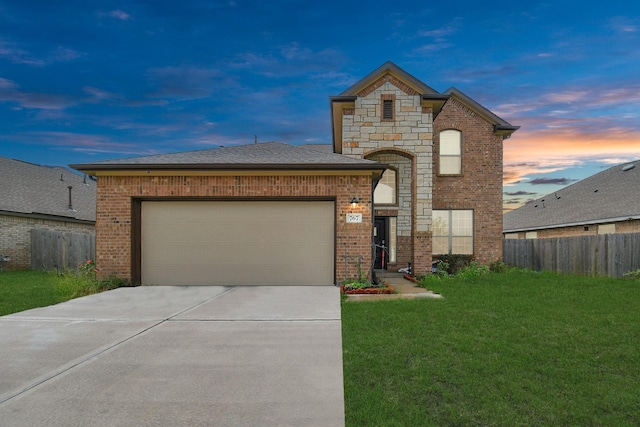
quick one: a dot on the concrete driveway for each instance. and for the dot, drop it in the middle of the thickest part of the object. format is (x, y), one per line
(176, 356)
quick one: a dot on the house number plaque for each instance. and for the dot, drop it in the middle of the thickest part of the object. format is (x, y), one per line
(354, 217)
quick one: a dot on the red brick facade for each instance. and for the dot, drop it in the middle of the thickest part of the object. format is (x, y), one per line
(480, 186)
(117, 218)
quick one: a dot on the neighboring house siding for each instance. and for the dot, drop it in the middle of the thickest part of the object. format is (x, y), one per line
(631, 226)
(114, 207)
(15, 236)
(628, 226)
(480, 186)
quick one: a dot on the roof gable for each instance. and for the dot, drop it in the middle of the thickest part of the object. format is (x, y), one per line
(388, 72)
(608, 196)
(500, 126)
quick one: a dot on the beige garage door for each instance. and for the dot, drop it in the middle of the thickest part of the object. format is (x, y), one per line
(237, 243)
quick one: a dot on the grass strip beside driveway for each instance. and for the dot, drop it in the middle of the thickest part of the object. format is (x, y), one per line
(24, 290)
(519, 348)
(27, 289)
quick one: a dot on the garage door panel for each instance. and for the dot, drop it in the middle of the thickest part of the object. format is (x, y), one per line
(238, 243)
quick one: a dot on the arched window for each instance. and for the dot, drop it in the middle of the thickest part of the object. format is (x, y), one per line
(386, 190)
(450, 152)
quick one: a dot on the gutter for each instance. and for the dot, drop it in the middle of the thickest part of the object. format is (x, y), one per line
(227, 166)
(36, 215)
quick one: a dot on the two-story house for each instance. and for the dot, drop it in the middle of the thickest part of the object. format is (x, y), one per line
(416, 171)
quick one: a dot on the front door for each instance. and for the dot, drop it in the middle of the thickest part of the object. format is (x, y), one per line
(380, 240)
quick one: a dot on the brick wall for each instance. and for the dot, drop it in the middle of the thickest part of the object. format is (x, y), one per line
(15, 237)
(480, 185)
(114, 214)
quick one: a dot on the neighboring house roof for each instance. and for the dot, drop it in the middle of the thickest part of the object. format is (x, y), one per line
(33, 190)
(262, 156)
(609, 196)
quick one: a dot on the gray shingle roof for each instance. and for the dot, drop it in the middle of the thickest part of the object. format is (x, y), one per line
(325, 148)
(268, 155)
(608, 196)
(30, 189)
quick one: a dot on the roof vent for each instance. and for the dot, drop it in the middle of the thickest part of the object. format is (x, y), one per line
(628, 167)
(70, 201)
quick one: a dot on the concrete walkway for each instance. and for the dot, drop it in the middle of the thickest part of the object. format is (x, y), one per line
(405, 289)
(176, 356)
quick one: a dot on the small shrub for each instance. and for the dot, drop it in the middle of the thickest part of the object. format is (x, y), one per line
(498, 266)
(356, 285)
(634, 275)
(474, 269)
(83, 282)
(88, 269)
(453, 263)
(442, 269)
(116, 282)
(440, 274)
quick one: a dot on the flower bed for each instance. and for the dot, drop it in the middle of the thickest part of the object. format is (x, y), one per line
(373, 290)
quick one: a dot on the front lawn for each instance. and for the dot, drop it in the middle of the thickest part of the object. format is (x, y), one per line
(512, 349)
(23, 290)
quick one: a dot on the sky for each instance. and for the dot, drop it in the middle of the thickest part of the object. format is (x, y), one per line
(83, 81)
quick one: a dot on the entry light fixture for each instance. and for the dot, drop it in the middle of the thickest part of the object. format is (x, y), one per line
(354, 202)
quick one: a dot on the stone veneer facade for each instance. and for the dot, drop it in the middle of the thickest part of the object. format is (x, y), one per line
(405, 143)
(118, 218)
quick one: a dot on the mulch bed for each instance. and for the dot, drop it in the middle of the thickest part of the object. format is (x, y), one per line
(387, 289)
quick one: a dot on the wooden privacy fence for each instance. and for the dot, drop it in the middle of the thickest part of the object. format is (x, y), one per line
(61, 250)
(600, 255)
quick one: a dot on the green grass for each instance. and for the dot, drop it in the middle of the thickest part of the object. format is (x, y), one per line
(23, 290)
(513, 349)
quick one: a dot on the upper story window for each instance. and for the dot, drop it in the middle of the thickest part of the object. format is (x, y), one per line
(450, 152)
(386, 190)
(388, 107)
